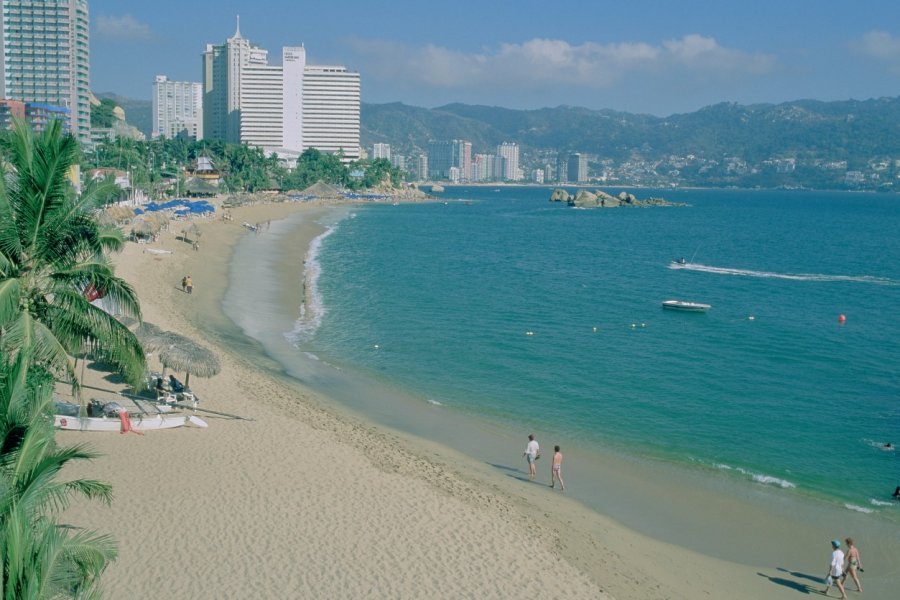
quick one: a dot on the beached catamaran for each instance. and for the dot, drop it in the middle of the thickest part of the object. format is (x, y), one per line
(112, 416)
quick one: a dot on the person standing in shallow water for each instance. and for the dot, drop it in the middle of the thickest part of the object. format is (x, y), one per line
(532, 451)
(556, 469)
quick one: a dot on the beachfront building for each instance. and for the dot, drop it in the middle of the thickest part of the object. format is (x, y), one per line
(261, 120)
(509, 151)
(177, 108)
(45, 58)
(464, 160)
(284, 108)
(562, 168)
(398, 161)
(381, 151)
(223, 67)
(331, 106)
(537, 176)
(444, 155)
(577, 171)
(422, 167)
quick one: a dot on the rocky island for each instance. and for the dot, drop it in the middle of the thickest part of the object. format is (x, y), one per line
(600, 199)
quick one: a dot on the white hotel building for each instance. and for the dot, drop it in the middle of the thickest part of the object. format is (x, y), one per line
(285, 108)
(177, 108)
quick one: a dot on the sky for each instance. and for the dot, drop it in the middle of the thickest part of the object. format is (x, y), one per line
(657, 57)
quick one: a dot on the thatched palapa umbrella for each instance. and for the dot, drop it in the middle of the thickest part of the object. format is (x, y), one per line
(192, 231)
(183, 354)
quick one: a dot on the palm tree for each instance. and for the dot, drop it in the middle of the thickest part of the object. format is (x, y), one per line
(52, 256)
(41, 558)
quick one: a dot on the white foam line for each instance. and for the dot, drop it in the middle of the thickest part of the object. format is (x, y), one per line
(791, 276)
(861, 509)
(313, 307)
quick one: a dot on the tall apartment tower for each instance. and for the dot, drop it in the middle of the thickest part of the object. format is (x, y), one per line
(464, 159)
(260, 115)
(223, 67)
(45, 57)
(380, 150)
(577, 168)
(177, 108)
(331, 105)
(288, 107)
(510, 152)
(293, 65)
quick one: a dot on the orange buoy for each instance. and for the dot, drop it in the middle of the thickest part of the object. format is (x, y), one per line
(842, 319)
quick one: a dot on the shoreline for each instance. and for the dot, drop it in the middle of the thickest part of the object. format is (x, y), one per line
(591, 550)
(646, 494)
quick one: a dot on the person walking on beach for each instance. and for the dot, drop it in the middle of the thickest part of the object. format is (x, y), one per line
(532, 452)
(854, 565)
(556, 469)
(189, 284)
(836, 569)
(184, 283)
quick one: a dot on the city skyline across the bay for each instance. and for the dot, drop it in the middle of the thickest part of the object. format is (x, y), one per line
(655, 57)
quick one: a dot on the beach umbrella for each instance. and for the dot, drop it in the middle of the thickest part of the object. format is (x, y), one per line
(150, 336)
(183, 354)
(192, 231)
(143, 227)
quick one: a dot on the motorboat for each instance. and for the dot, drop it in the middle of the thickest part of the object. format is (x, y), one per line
(685, 306)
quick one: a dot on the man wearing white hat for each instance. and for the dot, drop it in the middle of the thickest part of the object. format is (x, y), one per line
(835, 569)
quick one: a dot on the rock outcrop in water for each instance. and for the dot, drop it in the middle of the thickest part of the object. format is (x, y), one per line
(600, 199)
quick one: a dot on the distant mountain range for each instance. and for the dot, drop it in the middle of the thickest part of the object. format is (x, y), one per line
(847, 130)
(849, 143)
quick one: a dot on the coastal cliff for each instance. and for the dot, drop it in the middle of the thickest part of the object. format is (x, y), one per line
(601, 199)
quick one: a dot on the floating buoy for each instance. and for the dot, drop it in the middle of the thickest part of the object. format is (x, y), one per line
(376, 346)
(842, 319)
(751, 318)
(643, 324)
(595, 330)
(529, 333)
(633, 325)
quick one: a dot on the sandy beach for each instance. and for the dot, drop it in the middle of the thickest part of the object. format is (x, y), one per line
(307, 499)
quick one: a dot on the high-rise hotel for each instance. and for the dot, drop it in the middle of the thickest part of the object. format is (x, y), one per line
(177, 108)
(283, 108)
(45, 58)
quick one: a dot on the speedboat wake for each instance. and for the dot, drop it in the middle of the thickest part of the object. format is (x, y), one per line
(792, 276)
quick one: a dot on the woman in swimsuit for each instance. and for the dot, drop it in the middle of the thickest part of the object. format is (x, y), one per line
(556, 469)
(853, 563)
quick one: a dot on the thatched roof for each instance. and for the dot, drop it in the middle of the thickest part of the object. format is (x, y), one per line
(190, 357)
(192, 231)
(320, 189)
(115, 214)
(196, 186)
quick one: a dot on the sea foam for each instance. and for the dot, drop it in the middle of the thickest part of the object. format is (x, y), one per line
(313, 307)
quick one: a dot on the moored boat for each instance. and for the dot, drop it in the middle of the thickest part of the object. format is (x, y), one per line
(685, 306)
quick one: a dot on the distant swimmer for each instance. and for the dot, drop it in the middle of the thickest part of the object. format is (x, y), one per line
(888, 446)
(896, 495)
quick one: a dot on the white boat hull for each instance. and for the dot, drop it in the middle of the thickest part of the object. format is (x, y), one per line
(138, 422)
(685, 306)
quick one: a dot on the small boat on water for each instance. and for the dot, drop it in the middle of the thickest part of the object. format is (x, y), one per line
(685, 306)
(114, 417)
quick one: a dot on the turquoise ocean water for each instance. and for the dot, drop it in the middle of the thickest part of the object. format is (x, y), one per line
(438, 299)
